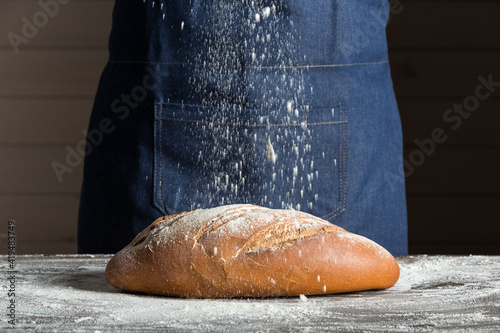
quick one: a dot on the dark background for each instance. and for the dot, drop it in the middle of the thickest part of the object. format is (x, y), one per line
(438, 49)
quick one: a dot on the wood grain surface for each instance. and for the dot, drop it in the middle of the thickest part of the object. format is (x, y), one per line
(434, 293)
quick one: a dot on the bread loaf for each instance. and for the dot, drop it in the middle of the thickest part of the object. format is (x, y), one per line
(246, 250)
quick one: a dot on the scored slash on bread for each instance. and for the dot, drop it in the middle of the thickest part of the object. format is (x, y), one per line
(250, 251)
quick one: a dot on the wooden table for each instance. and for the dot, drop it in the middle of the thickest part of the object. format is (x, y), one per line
(434, 293)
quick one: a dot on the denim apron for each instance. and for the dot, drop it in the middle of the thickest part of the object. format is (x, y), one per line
(281, 103)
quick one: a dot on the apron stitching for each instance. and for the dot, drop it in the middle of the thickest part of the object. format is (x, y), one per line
(344, 165)
(250, 125)
(247, 67)
(159, 173)
(343, 154)
(155, 196)
(338, 213)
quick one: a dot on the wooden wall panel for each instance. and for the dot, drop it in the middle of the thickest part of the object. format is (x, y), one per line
(41, 220)
(449, 219)
(454, 225)
(420, 117)
(43, 121)
(432, 74)
(51, 73)
(79, 23)
(46, 96)
(437, 51)
(460, 170)
(444, 24)
(28, 170)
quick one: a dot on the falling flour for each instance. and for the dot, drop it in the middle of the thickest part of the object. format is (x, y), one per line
(249, 96)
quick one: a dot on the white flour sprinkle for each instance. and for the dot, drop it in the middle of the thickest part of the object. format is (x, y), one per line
(266, 12)
(268, 37)
(271, 155)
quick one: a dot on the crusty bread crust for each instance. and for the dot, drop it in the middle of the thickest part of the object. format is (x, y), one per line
(249, 251)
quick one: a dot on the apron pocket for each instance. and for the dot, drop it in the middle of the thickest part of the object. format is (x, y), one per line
(210, 156)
